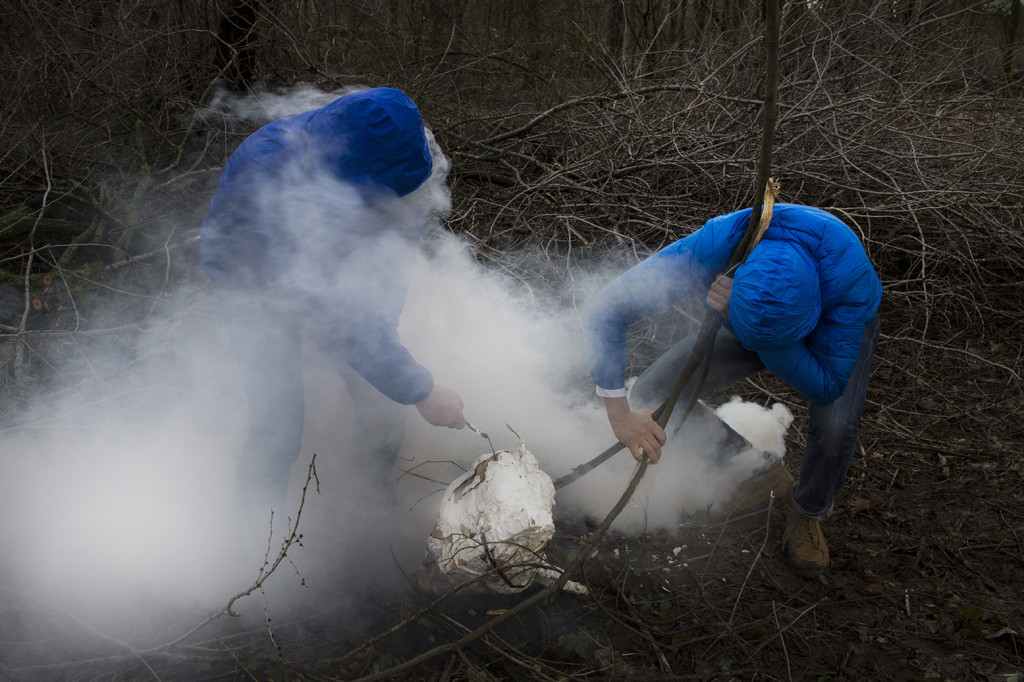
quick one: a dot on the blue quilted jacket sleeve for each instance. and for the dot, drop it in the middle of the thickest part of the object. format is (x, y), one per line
(649, 287)
(359, 325)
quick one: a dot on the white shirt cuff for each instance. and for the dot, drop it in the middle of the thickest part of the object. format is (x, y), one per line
(611, 392)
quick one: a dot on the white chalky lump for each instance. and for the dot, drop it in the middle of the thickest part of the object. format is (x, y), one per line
(496, 515)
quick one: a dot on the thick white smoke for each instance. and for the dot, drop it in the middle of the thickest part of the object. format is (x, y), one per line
(117, 498)
(511, 362)
(122, 517)
(263, 107)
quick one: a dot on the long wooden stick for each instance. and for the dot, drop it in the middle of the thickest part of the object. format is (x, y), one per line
(701, 352)
(711, 321)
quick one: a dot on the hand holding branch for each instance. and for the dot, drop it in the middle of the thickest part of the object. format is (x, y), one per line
(719, 295)
(636, 430)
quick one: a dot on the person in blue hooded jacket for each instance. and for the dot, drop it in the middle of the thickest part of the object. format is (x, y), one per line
(803, 305)
(314, 228)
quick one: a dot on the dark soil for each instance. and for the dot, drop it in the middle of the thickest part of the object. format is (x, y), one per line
(925, 583)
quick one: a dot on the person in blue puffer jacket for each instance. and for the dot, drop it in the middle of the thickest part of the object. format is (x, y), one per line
(314, 228)
(803, 305)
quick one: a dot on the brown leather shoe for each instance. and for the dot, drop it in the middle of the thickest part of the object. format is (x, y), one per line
(805, 545)
(753, 494)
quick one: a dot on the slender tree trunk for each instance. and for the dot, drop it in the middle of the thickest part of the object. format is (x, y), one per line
(701, 18)
(678, 24)
(616, 27)
(237, 44)
(1008, 49)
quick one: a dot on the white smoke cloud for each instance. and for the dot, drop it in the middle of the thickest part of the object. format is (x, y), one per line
(122, 517)
(115, 504)
(103, 516)
(511, 360)
(263, 107)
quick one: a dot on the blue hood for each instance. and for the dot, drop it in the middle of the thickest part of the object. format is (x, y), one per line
(776, 297)
(372, 139)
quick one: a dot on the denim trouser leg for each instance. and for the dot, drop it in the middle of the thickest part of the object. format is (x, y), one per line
(730, 362)
(267, 349)
(832, 437)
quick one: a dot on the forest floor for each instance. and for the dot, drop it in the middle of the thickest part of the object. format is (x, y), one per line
(926, 580)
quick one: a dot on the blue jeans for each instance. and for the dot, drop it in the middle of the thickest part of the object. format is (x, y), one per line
(267, 344)
(832, 429)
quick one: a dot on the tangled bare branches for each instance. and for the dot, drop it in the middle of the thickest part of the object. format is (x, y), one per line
(904, 118)
(895, 128)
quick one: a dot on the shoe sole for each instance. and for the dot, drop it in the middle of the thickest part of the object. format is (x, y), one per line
(808, 571)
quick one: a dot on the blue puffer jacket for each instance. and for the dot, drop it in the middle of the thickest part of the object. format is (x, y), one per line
(801, 299)
(301, 214)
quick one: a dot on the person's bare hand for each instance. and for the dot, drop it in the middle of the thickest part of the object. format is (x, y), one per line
(636, 430)
(719, 295)
(443, 407)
